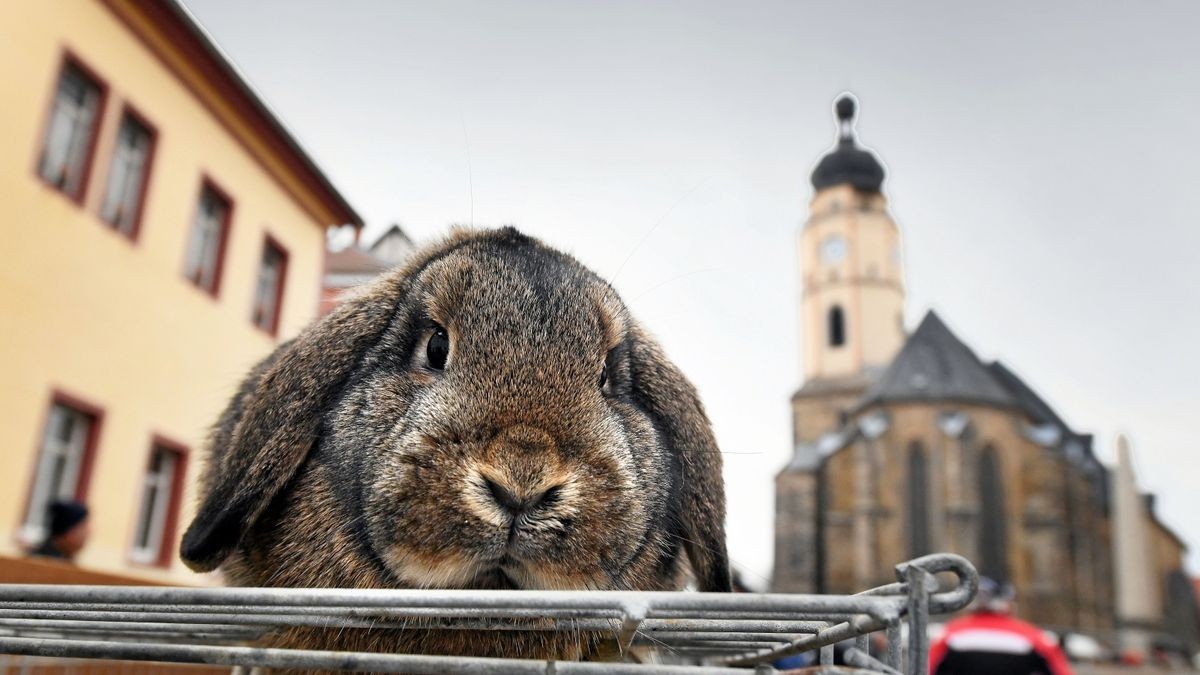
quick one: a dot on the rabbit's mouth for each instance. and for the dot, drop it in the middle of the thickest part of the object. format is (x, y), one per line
(497, 579)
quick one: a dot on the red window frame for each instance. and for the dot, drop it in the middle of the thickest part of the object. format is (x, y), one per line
(127, 109)
(166, 548)
(270, 242)
(90, 448)
(71, 58)
(222, 245)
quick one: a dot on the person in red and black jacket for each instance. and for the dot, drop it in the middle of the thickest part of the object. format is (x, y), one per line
(990, 641)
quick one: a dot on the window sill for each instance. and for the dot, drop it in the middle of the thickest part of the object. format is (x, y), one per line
(213, 293)
(76, 199)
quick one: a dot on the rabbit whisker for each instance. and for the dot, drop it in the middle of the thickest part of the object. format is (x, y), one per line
(740, 565)
(656, 641)
(676, 278)
(649, 232)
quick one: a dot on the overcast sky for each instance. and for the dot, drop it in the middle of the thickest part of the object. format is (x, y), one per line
(1041, 164)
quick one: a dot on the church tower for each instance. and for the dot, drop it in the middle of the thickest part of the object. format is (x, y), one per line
(852, 282)
(851, 319)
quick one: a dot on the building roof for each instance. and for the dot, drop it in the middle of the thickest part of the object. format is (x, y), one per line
(1151, 501)
(934, 365)
(1027, 399)
(393, 232)
(1076, 446)
(848, 164)
(170, 31)
(353, 260)
(853, 384)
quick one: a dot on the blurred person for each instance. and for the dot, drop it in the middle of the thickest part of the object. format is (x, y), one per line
(990, 641)
(68, 531)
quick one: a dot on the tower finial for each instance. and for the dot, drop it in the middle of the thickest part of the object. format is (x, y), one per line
(848, 163)
(845, 109)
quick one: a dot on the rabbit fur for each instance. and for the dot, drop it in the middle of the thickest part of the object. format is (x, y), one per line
(556, 448)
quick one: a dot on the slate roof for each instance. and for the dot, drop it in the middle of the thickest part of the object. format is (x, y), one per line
(934, 365)
(824, 386)
(1027, 399)
(1077, 446)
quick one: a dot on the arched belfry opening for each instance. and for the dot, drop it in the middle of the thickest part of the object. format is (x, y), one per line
(837, 326)
(993, 534)
(917, 498)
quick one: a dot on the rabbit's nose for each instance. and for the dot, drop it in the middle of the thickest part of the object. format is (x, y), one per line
(518, 505)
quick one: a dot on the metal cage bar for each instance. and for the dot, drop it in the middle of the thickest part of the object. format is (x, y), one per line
(687, 632)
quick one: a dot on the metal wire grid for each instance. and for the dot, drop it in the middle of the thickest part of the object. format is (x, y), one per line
(718, 631)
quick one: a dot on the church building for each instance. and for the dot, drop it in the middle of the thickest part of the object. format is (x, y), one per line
(909, 443)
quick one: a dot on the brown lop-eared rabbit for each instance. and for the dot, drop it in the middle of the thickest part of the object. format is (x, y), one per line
(488, 416)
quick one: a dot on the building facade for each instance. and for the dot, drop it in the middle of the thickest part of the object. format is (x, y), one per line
(165, 233)
(907, 444)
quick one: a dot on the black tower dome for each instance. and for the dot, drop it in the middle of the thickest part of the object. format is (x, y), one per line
(848, 164)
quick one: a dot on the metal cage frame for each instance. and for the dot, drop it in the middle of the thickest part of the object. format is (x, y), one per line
(718, 632)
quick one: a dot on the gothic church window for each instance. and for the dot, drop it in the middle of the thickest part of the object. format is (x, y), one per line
(993, 544)
(918, 501)
(837, 326)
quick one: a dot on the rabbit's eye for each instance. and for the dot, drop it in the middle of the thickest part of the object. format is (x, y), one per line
(437, 350)
(606, 382)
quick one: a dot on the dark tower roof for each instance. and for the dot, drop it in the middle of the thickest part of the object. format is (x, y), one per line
(848, 163)
(934, 365)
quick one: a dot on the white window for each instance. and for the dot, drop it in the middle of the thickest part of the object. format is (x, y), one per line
(70, 131)
(127, 175)
(203, 266)
(268, 292)
(64, 448)
(156, 507)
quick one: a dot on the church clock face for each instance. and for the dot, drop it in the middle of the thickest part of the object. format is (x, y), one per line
(833, 250)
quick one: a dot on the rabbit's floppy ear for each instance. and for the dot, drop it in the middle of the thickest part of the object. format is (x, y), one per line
(268, 428)
(266, 432)
(668, 396)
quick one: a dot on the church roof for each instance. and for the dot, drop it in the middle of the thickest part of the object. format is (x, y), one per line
(1027, 399)
(848, 164)
(934, 365)
(853, 384)
(1077, 446)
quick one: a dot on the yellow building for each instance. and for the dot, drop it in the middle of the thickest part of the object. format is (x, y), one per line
(164, 232)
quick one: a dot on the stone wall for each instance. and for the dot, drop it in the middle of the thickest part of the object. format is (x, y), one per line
(842, 528)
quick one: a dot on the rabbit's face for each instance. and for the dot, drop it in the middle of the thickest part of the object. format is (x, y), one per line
(487, 416)
(499, 440)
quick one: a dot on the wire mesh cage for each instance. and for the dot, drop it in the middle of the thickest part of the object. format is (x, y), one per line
(654, 632)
